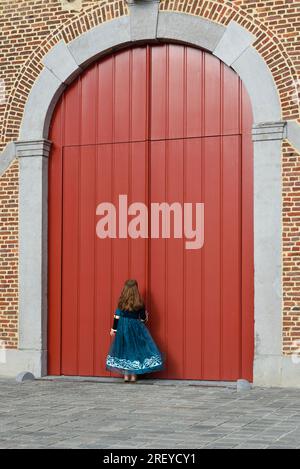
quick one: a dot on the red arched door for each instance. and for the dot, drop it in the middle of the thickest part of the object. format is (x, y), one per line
(159, 123)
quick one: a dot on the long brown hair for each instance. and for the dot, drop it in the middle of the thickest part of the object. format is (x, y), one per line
(130, 298)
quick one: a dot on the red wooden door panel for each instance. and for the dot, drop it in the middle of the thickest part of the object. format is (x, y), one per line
(93, 270)
(161, 123)
(193, 94)
(198, 292)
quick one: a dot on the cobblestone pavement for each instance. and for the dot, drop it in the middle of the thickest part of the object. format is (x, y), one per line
(80, 414)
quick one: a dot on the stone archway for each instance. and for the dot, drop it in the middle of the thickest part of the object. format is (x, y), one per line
(233, 45)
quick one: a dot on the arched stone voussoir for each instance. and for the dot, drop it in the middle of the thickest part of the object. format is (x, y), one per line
(233, 43)
(260, 85)
(100, 40)
(189, 29)
(40, 105)
(61, 63)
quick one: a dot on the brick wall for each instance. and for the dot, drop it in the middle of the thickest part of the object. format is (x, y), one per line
(291, 248)
(9, 257)
(29, 28)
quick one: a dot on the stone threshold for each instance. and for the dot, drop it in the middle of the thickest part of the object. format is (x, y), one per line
(143, 381)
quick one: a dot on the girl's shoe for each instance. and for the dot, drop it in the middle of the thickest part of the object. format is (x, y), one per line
(133, 379)
(126, 379)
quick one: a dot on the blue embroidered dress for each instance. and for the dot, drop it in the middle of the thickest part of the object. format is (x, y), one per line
(133, 349)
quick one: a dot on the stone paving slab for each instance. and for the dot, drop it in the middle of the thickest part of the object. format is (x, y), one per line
(103, 414)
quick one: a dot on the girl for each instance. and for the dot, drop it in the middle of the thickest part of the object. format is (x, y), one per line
(133, 350)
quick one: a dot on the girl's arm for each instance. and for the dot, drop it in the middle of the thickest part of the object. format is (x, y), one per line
(115, 324)
(144, 315)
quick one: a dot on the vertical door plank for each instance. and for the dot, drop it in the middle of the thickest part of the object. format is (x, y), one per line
(104, 307)
(158, 260)
(105, 102)
(159, 92)
(86, 256)
(70, 259)
(193, 181)
(138, 247)
(212, 96)
(231, 311)
(139, 94)
(120, 186)
(194, 92)
(211, 269)
(89, 110)
(72, 114)
(175, 284)
(231, 102)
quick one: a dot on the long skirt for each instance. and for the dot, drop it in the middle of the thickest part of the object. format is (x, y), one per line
(133, 350)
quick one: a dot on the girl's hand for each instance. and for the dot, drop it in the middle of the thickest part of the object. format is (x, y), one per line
(112, 332)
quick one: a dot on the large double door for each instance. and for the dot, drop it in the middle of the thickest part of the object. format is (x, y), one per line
(161, 123)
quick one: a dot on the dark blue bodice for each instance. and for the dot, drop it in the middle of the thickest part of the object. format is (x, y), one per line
(130, 314)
